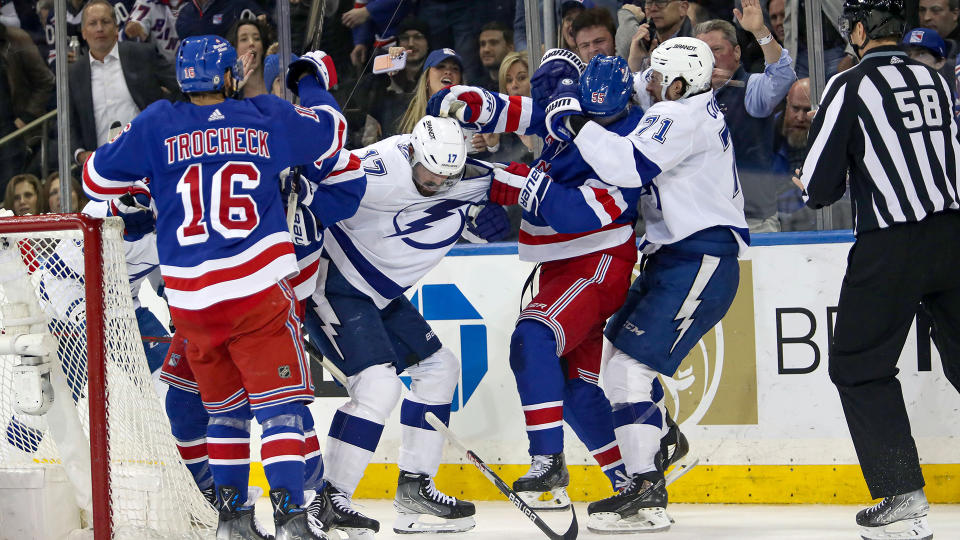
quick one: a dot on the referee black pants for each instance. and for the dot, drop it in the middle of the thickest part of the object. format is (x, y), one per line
(890, 271)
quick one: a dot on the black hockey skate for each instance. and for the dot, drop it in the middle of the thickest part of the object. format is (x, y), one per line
(899, 517)
(418, 498)
(237, 520)
(291, 520)
(640, 506)
(332, 508)
(210, 494)
(547, 475)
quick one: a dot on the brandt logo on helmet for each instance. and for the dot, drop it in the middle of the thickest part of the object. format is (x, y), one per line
(429, 126)
(682, 46)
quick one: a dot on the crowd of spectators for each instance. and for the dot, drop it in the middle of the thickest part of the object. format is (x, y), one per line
(121, 55)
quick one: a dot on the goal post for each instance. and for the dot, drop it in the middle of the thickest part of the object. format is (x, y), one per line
(104, 403)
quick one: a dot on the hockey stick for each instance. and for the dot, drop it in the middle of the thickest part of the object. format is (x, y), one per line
(318, 357)
(571, 533)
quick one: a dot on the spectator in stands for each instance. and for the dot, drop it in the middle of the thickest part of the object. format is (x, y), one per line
(251, 36)
(155, 21)
(669, 19)
(593, 32)
(776, 9)
(443, 67)
(199, 17)
(113, 82)
(790, 146)
(494, 43)
(31, 81)
(51, 194)
(74, 14)
(389, 95)
(630, 16)
(514, 80)
(23, 195)
(454, 24)
(569, 10)
(12, 154)
(941, 15)
(748, 101)
(927, 47)
(372, 23)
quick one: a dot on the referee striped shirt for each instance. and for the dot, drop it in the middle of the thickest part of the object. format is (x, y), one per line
(889, 121)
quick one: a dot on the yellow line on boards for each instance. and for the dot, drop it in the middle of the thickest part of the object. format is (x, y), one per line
(743, 484)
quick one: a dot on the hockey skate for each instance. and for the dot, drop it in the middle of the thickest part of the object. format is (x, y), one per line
(332, 508)
(544, 487)
(292, 521)
(900, 517)
(423, 508)
(237, 520)
(640, 506)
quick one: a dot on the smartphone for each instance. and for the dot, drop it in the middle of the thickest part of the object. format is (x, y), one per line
(385, 64)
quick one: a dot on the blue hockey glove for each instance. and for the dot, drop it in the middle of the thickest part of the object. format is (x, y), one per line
(317, 62)
(137, 211)
(556, 65)
(563, 107)
(291, 181)
(487, 222)
(468, 104)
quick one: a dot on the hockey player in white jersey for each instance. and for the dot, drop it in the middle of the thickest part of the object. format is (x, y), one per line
(695, 230)
(420, 191)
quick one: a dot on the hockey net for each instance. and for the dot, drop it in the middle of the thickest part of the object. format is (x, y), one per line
(106, 429)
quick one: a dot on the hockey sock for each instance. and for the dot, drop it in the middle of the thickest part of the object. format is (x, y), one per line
(281, 449)
(228, 443)
(357, 425)
(188, 423)
(589, 414)
(313, 460)
(433, 383)
(540, 379)
(639, 427)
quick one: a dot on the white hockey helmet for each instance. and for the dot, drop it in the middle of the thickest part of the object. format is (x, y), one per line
(685, 58)
(439, 147)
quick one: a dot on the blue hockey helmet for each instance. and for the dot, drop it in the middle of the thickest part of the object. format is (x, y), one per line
(605, 86)
(202, 62)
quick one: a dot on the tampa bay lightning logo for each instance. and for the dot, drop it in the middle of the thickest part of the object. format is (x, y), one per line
(431, 224)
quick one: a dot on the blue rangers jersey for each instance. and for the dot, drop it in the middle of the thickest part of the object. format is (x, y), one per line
(397, 234)
(221, 226)
(591, 215)
(681, 155)
(336, 188)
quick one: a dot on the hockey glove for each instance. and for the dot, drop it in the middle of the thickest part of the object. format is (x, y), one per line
(317, 62)
(137, 211)
(291, 181)
(487, 222)
(564, 106)
(556, 66)
(468, 104)
(506, 184)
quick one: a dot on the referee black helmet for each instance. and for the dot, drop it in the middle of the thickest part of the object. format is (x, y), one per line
(880, 18)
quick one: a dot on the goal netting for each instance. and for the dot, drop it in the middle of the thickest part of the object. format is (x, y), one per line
(105, 430)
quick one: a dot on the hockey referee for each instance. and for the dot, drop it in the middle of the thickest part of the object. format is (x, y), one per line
(888, 122)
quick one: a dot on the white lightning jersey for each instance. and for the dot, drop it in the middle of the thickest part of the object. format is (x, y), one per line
(159, 19)
(683, 157)
(397, 234)
(62, 280)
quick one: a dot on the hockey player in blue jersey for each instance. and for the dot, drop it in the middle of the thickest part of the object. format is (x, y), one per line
(421, 188)
(226, 255)
(681, 155)
(582, 236)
